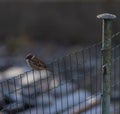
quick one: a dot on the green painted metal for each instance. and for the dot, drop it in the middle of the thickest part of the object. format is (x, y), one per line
(106, 60)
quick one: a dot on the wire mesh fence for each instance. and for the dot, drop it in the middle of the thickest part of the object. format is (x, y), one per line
(72, 85)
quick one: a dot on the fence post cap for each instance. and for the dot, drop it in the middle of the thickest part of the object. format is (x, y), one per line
(106, 16)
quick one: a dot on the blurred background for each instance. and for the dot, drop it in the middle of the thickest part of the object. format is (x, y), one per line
(50, 28)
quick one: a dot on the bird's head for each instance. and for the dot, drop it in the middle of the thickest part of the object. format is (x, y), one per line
(29, 56)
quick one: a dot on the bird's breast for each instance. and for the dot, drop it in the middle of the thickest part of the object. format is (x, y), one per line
(28, 62)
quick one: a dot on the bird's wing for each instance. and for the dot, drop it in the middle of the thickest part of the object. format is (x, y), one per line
(38, 62)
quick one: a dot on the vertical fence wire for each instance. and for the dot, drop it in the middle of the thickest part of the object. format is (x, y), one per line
(28, 89)
(42, 94)
(96, 74)
(84, 76)
(60, 79)
(35, 95)
(78, 81)
(21, 85)
(65, 71)
(72, 81)
(90, 76)
(2, 94)
(119, 77)
(16, 97)
(54, 85)
(8, 87)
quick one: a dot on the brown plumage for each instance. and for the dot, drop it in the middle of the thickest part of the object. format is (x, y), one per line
(35, 62)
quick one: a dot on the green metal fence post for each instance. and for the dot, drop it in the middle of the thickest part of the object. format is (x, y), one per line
(106, 59)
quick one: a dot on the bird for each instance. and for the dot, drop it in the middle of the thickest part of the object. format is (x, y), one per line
(34, 62)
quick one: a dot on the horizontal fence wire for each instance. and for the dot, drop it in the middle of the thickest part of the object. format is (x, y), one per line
(72, 85)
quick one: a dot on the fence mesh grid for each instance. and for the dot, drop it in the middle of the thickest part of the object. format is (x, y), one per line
(72, 85)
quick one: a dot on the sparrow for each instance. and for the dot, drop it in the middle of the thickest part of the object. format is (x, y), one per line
(34, 62)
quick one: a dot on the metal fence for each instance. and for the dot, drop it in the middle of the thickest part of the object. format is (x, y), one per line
(71, 86)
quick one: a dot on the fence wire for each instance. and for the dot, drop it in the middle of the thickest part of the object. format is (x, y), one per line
(71, 86)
